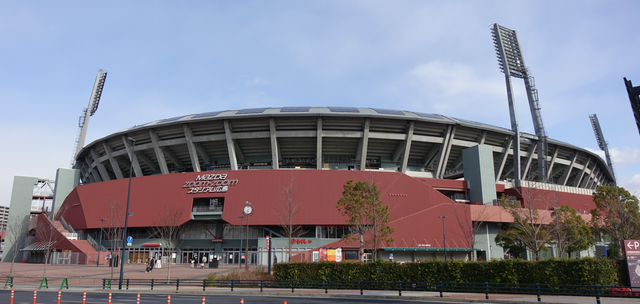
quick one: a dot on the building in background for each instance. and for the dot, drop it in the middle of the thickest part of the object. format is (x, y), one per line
(206, 167)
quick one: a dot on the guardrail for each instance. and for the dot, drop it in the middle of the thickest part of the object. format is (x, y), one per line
(485, 288)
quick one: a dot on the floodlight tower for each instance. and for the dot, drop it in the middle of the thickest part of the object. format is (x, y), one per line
(602, 143)
(512, 64)
(83, 122)
(634, 98)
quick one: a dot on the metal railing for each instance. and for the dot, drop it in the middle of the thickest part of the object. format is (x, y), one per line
(95, 244)
(67, 226)
(485, 288)
(70, 236)
(207, 209)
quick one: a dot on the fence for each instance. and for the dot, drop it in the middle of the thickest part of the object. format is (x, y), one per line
(74, 258)
(539, 290)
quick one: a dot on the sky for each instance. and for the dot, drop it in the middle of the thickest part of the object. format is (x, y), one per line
(172, 58)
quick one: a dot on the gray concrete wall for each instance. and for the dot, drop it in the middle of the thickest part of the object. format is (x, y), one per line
(66, 181)
(20, 209)
(479, 174)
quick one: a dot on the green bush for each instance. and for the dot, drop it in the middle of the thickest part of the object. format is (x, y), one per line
(584, 271)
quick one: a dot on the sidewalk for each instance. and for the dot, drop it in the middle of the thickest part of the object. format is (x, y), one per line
(89, 278)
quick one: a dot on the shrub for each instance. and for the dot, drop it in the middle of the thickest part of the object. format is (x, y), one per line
(584, 271)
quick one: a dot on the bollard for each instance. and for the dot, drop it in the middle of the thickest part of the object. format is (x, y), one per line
(361, 292)
(109, 302)
(204, 284)
(292, 282)
(202, 300)
(177, 284)
(440, 284)
(84, 297)
(127, 283)
(597, 288)
(168, 299)
(260, 285)
(486, 290)
(138, 299)
(35, 295)
(326, 287)
(59, 292)
(151, 284)
(231, 284)
(399, 288)
(104, 283)
(11, 296)
(538, 291)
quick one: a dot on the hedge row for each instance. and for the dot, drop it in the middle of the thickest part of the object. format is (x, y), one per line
(584, 271)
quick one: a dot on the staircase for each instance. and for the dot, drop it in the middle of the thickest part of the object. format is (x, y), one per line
(81, 246)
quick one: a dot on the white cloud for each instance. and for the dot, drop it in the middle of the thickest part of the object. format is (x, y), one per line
(621, 157)
(632, 185)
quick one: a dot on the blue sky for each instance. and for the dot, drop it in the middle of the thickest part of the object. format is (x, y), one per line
(170, 58)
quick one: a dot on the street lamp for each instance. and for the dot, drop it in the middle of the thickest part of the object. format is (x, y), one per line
(444, 237)
(240, 257)
(248, 210)
(126, 217)
(100, 244)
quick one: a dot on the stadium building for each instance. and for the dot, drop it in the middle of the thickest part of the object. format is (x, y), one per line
(438, 174)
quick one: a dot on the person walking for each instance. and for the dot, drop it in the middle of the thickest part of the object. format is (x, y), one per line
(204, 260)
(153, 263)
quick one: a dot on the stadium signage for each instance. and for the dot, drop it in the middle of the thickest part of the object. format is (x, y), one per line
(300, 241)
(209, 183)
(632, 252)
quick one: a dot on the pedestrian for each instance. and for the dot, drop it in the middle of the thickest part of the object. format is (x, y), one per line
(275, 259)
(193, 262)
(204, 260)
(153, 263)
(148, 265)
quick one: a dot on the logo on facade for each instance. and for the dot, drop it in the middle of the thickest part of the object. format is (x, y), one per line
(300, 241)
(209, 183)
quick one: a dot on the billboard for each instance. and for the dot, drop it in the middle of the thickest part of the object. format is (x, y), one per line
(632, 252)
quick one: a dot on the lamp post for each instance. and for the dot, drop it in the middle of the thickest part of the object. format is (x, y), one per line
(444, 237)
(241, 226)
(126, 217)
(100, 244)
(248, 210)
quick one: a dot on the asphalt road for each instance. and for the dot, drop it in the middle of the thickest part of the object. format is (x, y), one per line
(68, 297)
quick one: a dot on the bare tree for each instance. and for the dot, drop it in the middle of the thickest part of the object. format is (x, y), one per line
(530, 221)
(285, 211)
(17, 229)
(468, 227)
(167, 227)
(49, 236)
(113, 228)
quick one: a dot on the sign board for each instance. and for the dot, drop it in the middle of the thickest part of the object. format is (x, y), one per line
(129, 239)
(632, 252)
(338, 254)
(267, 243)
